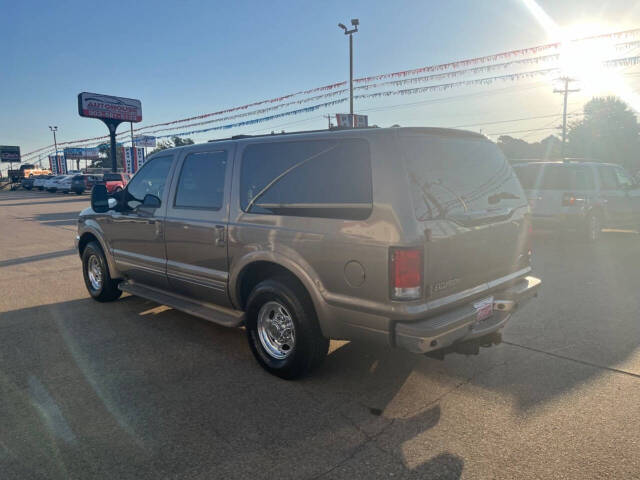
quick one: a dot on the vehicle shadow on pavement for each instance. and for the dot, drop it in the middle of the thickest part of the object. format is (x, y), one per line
(132, 389)
(36, 258)
(49, 202)
(57, 219)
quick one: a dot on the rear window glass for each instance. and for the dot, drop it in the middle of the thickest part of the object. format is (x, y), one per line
(458, 175)
(112, 177)
(318, 178)
(555, 177)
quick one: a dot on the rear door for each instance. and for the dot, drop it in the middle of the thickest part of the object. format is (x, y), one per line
(196, 226)
(472, 206)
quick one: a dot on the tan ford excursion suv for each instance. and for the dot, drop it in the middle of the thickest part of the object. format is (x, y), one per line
(415, 238)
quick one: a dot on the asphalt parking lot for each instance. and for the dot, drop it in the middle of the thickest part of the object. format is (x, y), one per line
(132, 389)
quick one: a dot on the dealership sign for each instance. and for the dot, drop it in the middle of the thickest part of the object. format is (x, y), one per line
(347, 120)
(81, 153)
(145, 141)
(107, 107)
(9, 154)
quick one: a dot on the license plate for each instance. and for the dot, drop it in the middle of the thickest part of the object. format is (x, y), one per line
(484, 309)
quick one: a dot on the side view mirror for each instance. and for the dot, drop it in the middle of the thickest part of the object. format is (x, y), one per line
(151, 201)
(100, 199)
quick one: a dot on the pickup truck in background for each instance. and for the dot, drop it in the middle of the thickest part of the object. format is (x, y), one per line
(115, 182)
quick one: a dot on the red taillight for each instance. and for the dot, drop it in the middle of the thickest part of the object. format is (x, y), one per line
(406, 273)
(568, 200)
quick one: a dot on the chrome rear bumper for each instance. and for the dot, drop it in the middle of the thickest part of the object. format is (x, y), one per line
(461, 324)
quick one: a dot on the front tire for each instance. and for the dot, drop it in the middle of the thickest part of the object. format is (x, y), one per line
(282, 329)
(97, 277)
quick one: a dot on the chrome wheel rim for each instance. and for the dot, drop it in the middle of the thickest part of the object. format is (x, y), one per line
(94, 272)
(276, 330)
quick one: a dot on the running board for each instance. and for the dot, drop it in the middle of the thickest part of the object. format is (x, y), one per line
(214, 313)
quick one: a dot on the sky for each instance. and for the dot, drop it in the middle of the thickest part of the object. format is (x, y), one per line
(187, 58)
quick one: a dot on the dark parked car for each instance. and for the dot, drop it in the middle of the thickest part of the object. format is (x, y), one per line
(80, 183)
(582, 196)
(415, 238)
(27, 183)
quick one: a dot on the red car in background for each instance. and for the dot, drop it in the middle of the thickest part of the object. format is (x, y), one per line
(115, 182)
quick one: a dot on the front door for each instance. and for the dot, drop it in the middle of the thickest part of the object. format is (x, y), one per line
(136, 232)
(196, 226)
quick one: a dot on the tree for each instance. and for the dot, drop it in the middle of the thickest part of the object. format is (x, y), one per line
(105, 157)
(518, 149)
(608, 132)
(174, 142)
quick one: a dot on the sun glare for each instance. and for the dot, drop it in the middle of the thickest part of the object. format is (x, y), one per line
(584, 60)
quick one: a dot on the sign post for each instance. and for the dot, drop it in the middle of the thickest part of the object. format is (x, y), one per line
(112, 111)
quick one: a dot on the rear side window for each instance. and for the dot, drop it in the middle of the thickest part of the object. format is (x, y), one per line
(608, 178)
(201, 183)
(624, 180)
(455, 175)
(318, 178)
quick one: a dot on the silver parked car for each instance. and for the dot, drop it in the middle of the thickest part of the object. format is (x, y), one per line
(415, 238)
(582, 196)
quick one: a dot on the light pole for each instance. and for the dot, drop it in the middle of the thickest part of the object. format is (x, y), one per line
(354, 22)
(55, 143)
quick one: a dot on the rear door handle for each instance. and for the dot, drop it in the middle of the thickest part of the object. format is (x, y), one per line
(220, 235)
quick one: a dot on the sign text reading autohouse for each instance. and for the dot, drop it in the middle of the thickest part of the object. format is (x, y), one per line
(105, 110)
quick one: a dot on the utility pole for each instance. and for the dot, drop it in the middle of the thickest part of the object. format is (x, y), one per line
(354, 22)
(328, 117)
(565, 91)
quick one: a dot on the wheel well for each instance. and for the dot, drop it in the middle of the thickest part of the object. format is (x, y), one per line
(84, 240)
(256, 272)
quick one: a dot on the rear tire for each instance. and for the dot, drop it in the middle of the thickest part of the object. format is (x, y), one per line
(282, 329)
(97, 277)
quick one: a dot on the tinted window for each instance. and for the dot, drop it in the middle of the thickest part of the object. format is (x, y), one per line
(201, 183)
(112, 177)
(150, 179)
(552, 176)
(608, 178)
(458, 175)
(529, 175)
(623, 178)
(318, 178)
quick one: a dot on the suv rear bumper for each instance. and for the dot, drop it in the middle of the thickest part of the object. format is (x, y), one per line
(460, 324)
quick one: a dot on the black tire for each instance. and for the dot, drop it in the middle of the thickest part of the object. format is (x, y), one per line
(107, 290)
(593, 227)
(310, 346)
(79, 192)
